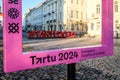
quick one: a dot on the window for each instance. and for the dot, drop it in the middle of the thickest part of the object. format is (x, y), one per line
(92, 26)
(48, 8)
(71, 1)
(77, 14)
(98, 9)
(60, 15)
(98, 25)
(71, 14)
(72, 27)
(52, 6)
(60, 2)
(55, 27)
(116, 6)
(77, 1)
(116, 23)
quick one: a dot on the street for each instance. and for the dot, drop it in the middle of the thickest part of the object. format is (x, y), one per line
(41, 44)
(58, 43)
(104, 68)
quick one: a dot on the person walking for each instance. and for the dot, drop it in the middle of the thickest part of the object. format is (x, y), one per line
(117, 33)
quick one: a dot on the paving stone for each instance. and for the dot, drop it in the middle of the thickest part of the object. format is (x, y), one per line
(105, 68)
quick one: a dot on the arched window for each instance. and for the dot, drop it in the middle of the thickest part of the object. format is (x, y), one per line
(116, 6)
(98, 9)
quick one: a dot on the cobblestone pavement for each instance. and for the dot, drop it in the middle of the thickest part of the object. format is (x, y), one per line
(58, 43)
(105, 68)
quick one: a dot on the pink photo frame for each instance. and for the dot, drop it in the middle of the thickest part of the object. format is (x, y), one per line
(15, 60)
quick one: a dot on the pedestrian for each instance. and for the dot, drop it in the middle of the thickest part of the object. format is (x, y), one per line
(78, 33)
(117, 32)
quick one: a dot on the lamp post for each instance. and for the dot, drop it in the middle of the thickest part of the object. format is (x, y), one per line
(71, 71)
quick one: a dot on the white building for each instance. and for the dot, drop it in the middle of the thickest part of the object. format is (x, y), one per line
(51, 15)
(94, 17)
(58, 15)
(116, 18)
(28, 20)
(37, 16)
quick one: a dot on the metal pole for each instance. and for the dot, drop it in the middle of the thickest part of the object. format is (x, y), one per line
(71, 71)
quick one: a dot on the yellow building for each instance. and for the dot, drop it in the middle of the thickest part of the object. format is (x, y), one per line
(75, 15)
(116, 18)
(94, 17)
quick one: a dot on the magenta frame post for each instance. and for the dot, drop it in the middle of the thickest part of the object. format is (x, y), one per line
(15, 60)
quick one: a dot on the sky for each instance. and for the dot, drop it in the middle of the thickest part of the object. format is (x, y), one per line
(27, 4)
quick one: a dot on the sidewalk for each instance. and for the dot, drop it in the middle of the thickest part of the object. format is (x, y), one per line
(103, 68)
(116, 41)
(27, 41)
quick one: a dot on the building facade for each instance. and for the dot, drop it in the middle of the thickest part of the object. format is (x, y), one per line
(70, 15)
(1, 19)
(116, 18)
(58, 15)
(94, 17)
